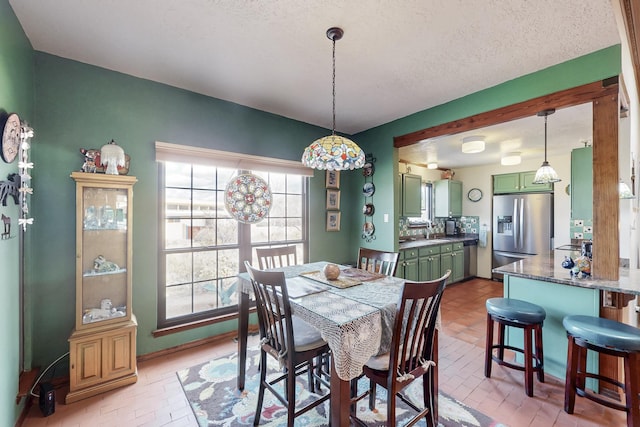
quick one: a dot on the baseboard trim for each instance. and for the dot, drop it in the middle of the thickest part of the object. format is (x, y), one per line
(193, 344)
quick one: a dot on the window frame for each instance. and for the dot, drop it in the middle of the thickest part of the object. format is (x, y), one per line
(244, 245)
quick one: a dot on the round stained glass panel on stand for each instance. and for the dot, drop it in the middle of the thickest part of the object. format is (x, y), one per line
(248, 198)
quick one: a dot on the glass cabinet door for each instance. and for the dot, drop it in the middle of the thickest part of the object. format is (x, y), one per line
(104, 254)
(103, 257)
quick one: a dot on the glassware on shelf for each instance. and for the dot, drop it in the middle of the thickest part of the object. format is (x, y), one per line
(90, 218)
(107, 217)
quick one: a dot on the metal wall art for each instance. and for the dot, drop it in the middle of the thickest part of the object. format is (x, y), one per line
(368, 190)
(25, 166)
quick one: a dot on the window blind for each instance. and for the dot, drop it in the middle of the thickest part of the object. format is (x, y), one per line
(166, 151)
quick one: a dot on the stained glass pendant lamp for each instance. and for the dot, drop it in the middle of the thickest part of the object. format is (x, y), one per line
(546, 173)
(333, 152)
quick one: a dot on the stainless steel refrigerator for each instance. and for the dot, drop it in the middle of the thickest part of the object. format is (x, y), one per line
(522, 227)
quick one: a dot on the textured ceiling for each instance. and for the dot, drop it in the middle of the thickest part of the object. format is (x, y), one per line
(397, 56)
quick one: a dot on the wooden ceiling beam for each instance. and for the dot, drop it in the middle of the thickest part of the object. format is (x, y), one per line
(565, 98)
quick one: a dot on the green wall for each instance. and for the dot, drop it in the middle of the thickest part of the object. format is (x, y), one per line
(586, 69)
(16, 95)
(75, 106)
(78, 105)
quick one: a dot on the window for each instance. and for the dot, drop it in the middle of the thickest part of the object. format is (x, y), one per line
(202, 248)
(427, 206)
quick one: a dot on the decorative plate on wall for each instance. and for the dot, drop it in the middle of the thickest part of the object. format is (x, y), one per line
(368, 229)
(10, 136)
(368, 209)
(368, 169)
(368, 189)
(248, 198)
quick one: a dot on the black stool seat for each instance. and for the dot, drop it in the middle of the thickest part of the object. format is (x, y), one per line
(518, 314)
(607, 337)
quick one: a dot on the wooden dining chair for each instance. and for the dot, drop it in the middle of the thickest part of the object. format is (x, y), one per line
(278, 257)
(413, 355)
(378, 261)
(294, 343)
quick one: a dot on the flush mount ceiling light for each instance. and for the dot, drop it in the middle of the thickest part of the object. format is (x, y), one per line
(546, 174)
(510, 159)
(333, 152)
(432, 165)
(473, 144)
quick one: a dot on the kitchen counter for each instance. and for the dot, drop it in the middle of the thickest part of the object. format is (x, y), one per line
(548, 268)
(422, 242)
(541, 280)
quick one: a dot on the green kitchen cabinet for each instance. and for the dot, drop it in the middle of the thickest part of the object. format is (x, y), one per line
(582, 183)
(446, 263)
(506, 183)
(429, 263)
(518, 182)
(448, 198)
(411, 195)
(457, 274)
(408, 267)
(452, 258)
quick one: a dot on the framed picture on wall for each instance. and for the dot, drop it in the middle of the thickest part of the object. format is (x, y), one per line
(333, 221)
(332, 179)
(333, 200)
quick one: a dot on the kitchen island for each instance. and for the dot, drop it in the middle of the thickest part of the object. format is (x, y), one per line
(542, 280)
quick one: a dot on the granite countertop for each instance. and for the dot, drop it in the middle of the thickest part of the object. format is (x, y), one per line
(422, 242)
(547, 267)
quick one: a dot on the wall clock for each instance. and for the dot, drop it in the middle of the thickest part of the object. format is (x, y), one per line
(10, 136)
(475, 194)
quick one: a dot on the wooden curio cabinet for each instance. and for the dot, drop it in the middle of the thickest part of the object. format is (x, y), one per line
(102, 352)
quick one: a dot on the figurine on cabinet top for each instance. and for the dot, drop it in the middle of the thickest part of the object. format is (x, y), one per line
(91, 160)
(112, 155)
(104, 161)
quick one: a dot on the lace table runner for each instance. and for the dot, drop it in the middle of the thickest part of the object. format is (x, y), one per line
(356, 321)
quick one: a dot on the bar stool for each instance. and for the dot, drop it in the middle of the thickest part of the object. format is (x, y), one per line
(518, 314)
(608, 337)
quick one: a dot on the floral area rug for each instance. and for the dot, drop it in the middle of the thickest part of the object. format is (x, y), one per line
(212, 393)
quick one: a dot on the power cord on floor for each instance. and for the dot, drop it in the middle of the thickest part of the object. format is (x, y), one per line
(35, 384)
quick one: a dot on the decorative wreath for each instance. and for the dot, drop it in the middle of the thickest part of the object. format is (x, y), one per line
(248, 198)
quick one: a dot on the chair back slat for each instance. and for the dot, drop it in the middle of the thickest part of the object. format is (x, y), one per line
(415, 325)
(278, 257)
(378, 261)
(274, 310)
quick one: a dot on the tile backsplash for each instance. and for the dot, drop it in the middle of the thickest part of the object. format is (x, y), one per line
(581, 229)
(467, 224)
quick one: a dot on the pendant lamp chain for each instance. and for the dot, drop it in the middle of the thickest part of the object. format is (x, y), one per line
(333, 152)
(545, 137)
(333, 39)
(546, 174)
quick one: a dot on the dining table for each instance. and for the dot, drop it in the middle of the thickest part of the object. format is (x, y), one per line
(354, 314)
